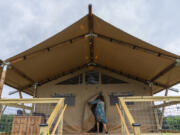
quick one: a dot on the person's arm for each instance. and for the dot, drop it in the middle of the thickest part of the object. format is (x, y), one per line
(94, 102)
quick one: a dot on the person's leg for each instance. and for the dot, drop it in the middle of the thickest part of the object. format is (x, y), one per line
(105, 127)
(97, 127)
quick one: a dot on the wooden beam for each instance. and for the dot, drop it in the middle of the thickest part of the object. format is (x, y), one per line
(163, 110)
(53, 115)
(20, 95)
(22, 74)
(19, 106)
(135, 126)
(164, 71)
(157, 119)
(150, 98)
(3, 76)
(136, 47)
(127, 112)
(131, 76)
(123, 120)
(166, 104)
(28, 100)
(60, 118)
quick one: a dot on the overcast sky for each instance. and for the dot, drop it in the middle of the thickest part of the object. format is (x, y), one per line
(24, 23)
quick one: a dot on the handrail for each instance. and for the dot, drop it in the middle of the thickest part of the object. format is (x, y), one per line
(122, 119)
(59, 119)
(30, 100)
(151, 98)
(134, 126)
(54, 113)
(167, 104)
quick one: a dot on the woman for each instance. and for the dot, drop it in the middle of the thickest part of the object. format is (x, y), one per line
(99, 112)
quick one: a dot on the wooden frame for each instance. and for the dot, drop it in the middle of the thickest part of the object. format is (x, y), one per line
(136, 129)
(28, 100)
(172, 101)
(123, 125)
(151, 98)
(58, 108)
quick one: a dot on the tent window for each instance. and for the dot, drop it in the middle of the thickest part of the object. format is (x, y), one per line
(114, 97)
(69, 98)
(75, 80)
(92, 77)
(110, 80)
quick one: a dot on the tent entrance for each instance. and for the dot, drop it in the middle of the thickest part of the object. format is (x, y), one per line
(94, 128)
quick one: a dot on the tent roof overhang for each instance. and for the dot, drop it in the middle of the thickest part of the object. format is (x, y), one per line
(93, 41)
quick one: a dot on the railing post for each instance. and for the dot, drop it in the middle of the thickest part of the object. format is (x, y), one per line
(43, 129)
(157, 119)
(136, 128)
(55, 112)
(123, 129)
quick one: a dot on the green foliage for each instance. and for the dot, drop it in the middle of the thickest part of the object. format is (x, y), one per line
(171, 123)
(6, 123)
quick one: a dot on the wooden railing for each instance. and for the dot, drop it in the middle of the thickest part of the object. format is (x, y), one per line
(135, 126)
(122, 108)
(55, 120)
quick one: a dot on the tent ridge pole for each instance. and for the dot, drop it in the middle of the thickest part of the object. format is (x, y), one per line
(91, 37)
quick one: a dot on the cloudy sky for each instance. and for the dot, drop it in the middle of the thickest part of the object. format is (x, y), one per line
(25, 23)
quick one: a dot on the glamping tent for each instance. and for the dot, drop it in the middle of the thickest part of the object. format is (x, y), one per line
(89, 57)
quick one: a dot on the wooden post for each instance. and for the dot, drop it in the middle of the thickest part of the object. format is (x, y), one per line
(163, 109)
(34, 96)
(136, 128)
(2, 111)
(157, 119)
(123, 123)
(43, 129)
(59, 121)
(54, 113)
(3, 76)
(20, 96)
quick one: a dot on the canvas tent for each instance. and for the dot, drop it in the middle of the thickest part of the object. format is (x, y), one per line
(93, 41)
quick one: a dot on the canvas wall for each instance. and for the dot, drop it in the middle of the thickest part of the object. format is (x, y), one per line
(78, 118)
